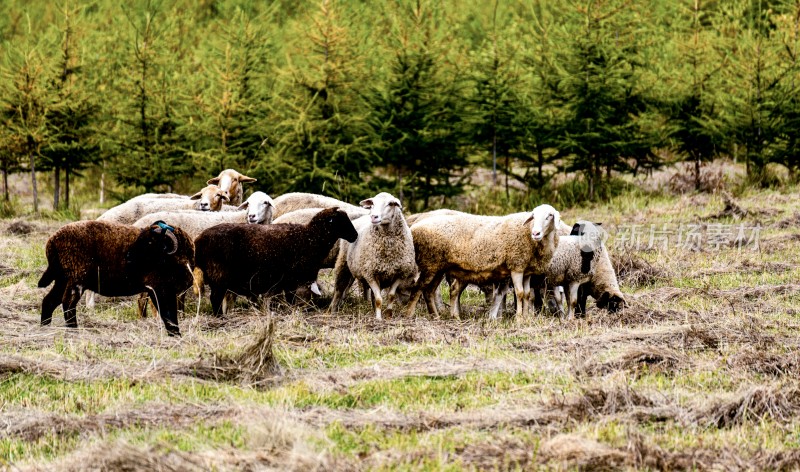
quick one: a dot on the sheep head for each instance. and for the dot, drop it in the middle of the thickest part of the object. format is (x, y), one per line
(260, 208)
(382, 208)
(211, 198)
(546, 219)
(154, 242)
(336, 222)
(228, 181)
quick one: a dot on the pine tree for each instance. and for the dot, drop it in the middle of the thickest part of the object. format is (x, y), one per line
(319, 142)
(71, 145)
(227, 128)
(147, 141)
(26, 103)
(418, 114)
(599, 89)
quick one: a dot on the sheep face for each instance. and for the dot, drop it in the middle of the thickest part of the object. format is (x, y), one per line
(382, 208)
(229, 182)
(260, 208)
(211, 198)
(546, 219)
(610, 302)
(337, 223)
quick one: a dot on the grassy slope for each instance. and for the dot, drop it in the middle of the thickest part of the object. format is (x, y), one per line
(699, 371)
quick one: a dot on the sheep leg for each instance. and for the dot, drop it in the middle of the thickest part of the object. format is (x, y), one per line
(68, 302)
(377, 300)
(217, 296)
(182, 301)
(498, 297)
(344, 279)
(583, 294)
(52, 300)
(455, 298)
(167, 306)
(390, 296)
(519, 290)
(90, 299)
(572, 299)
(141, 305)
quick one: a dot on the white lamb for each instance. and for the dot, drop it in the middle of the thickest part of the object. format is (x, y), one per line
(382, 255)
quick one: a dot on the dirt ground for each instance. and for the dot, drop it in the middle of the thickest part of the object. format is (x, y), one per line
(699, 371)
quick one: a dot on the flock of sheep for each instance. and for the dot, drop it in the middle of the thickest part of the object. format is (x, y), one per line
(159, 245)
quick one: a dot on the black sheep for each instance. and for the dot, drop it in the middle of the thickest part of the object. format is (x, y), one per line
(117, 260)
(254, 259)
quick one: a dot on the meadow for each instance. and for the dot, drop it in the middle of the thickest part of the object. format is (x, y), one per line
(699, 371)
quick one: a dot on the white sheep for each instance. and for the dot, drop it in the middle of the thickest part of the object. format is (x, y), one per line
(574, 263)
(209, 198)
(230, 183)
(382, 255)
(480, 249)
(290, 202)
(257, 209)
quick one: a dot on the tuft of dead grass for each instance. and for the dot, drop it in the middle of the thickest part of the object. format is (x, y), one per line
(20, 228)
(635, 272)
(255, 366)
(778, 403)
(638, 360)
(766, 363)
(582, 453)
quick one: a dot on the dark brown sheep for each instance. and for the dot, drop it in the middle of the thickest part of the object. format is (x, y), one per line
(117, 260)
(253, 259)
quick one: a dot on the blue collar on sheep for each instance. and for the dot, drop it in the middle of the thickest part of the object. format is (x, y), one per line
(162, 225)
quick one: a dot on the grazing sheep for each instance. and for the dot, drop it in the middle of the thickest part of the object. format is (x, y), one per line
(604, 286)
(208, 199)
(382, 256)
(117, 260)
(290, 202)
(230, 184)
(254, 259)
(480, 249)
(574, 263)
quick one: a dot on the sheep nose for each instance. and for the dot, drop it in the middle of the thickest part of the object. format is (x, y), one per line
(204, 206)
(376, 219)
(537, 235)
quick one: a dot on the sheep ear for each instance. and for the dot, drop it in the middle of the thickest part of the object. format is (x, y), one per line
(367, 203)
(224, 197)
(556, 219)
(213, 181)
(196, 196)
(530, 218)
(243, 206)
(245, 179)
(396, 204)
(576, 229)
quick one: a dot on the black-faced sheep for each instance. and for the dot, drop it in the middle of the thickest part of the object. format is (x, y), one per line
(603, 286)
(290, 202)
(117, 260)
(480, 249)
(253, 259)
(230, 183)
(382, 256)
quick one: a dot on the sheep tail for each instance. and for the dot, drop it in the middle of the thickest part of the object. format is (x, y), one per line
(50, 273)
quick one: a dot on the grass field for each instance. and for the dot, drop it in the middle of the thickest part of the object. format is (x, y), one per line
(699, 371)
